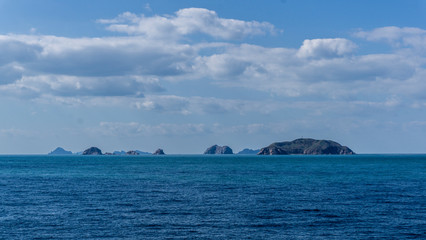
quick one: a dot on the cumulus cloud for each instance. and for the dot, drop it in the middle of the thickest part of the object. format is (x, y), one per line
(326, 48)
(68, 70)
(140, 129)
(406, 36)
(172, 129)
(112, 57)
(14, 50)
(88, 66)
(187, 21)
(283, 72)
(205, 105)
(71, 86)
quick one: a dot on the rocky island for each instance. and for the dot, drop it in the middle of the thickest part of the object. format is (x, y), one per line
(247, 151)
(215, 149)
(132, 153)
(159, 152)
(306, 146)
(92, 151)
(60, 151)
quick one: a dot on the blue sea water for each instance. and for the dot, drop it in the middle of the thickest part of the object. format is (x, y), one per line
(213, 197)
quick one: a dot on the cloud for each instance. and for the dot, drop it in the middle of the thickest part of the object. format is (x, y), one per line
(390, 33)
(326, 48)
(139, 129)
(37, 65)
(129, 68)
(398, 37)
(9, 73)
(172, 129)
(17, 51)
(112, 57)
(283, 72)
(205, 105)
(185, 22)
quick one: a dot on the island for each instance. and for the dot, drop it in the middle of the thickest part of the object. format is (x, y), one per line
(247, 151)
(215, 149)
(92, 151)
(60, 151)
(132, 153)
(159, 152)
(306, 146)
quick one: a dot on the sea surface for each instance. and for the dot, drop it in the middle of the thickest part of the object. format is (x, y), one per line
(213, 197)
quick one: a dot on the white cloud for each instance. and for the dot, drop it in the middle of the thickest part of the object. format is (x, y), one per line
(70, 70)
(187, 21)
(390, 33)
(71, 86)
(398, 37)
(326, 48)
(205, 105)
(281, 71)
(140, 129)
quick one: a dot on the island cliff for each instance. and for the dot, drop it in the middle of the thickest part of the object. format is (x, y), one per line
(306, 146)
(215, 149)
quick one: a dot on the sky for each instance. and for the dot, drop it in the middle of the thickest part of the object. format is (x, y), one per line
(185, 75)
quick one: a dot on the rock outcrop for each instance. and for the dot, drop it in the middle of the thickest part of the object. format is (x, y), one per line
(159, 152)
(306, 146)
(60, 151)
(215, 149)
(92, 151)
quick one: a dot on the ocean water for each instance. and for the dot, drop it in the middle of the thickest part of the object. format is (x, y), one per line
(213, 197)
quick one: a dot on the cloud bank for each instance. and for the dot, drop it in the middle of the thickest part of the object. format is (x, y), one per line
(185, 22)
(155, 51)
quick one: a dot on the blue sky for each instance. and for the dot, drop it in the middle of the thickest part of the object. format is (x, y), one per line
(184, 75)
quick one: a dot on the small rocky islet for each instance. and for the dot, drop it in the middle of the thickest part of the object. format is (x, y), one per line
(301, 146)
(159, 152)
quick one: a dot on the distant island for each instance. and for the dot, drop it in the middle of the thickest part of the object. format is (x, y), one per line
(301, 146)
(215, 149)
(97, 151)
(60, 151)
(92, 151)
(306, 146)
(159, 152)
(248, 151)
(131, 152)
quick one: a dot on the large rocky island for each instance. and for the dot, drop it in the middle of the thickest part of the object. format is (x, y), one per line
(306, 146)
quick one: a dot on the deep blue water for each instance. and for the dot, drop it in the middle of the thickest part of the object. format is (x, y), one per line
(213, 197)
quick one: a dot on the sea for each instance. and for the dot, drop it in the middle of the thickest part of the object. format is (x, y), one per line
(213, 197)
